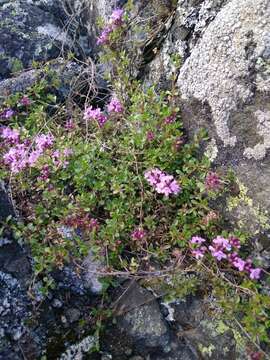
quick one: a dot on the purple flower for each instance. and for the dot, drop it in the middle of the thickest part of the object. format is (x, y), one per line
(138, 234)
(197, 240)
(34, 156)
(163, 183)
(218, 254)
(44, 141)
(16, 158)
(239, 263)
(104, 36)
(116, 18)
(69, 125)
(255, 274)
(95, 114)
(115, 106)
(235, 243)
(222, 243)
(170, 119)
(11, 136)
(25, 101)
(212, 181)
(150, 136)
(199, 253)
(7, 114)
(67, 152)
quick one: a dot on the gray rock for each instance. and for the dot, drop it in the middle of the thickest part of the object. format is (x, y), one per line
(224, 83)
(28, 34)
(142, 319)
(208, 338)
(92, 266)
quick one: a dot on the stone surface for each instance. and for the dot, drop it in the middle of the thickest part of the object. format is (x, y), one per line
(27, 34)
(224, 86)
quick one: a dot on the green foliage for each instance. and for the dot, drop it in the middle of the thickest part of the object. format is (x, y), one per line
(103, 179)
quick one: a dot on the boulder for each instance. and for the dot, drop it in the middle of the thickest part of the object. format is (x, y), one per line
(224, 87)
(28, 34)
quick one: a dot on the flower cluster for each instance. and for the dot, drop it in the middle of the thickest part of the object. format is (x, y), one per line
(20, 155)
(138, 234)
(115, 21)
(162, 182)
(82, 221)
(115, 106)
(212, 181)
(224, 249)
(10, 136)
(25, 101)
(23, 154)
(170, 119)
(7, 114)
(95, 114)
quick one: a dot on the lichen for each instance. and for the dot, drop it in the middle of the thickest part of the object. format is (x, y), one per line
(247, 211)
(211, 74)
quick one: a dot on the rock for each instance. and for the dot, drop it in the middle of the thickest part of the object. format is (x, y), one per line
(28, 34)
(209, 338)
(91, 278)
(227, 71)
(224, 84)
(70, 76)
(142, 319)
(6, 208)
(77, 351)
(73, 315)
(141, 331)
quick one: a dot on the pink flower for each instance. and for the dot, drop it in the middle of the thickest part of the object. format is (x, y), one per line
(223, 243)
(95, 114)
(197, 240)
(25, 101)
(12, 136)
(150, 136)
(163, 183)
(16, 158)
(153, 176)
(116, 18)
(218, 254)
(255, 274)
(115, 106)
(138, 234)
(239, 263)
(104, 36)
(34, 156)
(212, 181)
(44, 141)
(199, 253)
(69, 125)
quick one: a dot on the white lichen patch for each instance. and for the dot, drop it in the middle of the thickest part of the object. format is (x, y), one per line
(170, 309)
(53, 31)
(212, 150)
(213, 72)
(258, 152)
(77, 351)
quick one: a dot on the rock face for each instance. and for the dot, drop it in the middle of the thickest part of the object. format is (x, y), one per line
(224, 84)
(28, 34)
(183, 330)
